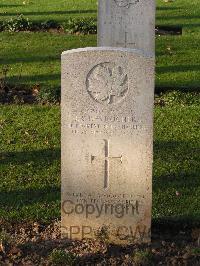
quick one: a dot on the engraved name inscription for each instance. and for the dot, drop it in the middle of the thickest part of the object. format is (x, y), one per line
(92, 128)
(107, 83)
(126, 3)
(105, 198)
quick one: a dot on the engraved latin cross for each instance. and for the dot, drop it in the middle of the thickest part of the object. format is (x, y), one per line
(125, 43)
(106, 160)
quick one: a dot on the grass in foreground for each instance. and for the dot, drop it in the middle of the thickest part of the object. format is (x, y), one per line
(30, 163)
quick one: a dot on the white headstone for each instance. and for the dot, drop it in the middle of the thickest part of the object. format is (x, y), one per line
(127, 23)
(107, 128)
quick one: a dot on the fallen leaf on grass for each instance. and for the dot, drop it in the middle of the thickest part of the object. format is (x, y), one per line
(2, 249)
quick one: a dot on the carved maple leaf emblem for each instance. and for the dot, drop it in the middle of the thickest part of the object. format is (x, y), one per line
(107, 83)
(126, 3)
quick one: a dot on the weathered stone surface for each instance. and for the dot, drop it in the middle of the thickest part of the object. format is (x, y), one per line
(107, 127)
(127, 23)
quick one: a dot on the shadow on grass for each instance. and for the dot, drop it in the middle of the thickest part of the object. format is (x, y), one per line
(181, 89)
(177, 68)
(21, 202)
(181, 21)
(187, 86)
(176, 169)
(181, 163)
(175, 17)
(6, 6)
(164, 8)
(26, 197)
(35, 78)
(40, 13)
(37, 156)
(6, 60)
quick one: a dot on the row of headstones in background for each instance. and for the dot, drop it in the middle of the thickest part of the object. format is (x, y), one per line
(107, 128)
(127, 23)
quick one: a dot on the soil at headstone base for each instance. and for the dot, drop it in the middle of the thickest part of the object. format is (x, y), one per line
(166, 30)
(18, 94)
(33, 244)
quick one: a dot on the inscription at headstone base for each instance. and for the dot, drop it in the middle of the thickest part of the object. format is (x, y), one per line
(107, 127)
(127, 23)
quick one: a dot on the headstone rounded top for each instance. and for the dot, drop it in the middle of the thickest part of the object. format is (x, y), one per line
(109, 49)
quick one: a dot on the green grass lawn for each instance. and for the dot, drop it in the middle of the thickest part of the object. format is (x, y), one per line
(41, 10)
(179, 12)
(35, 57)
(30, 163)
